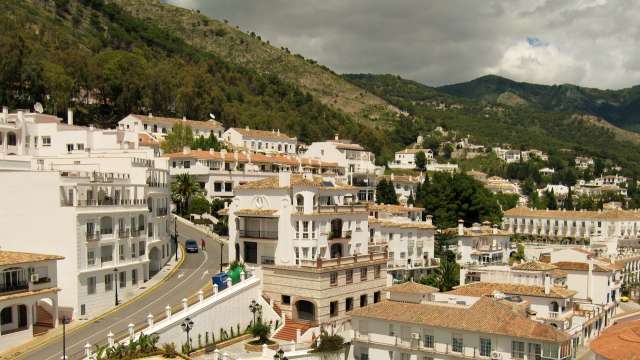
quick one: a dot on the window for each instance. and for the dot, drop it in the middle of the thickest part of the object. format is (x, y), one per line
(517, 350)
(456, 343)
(123, 279)
(428, 341)
(141, 248)
(376, 297)
(391, 330)
(348, 304)
(333, 277)
(286, 300)
(106, 253)
(349, 276)
(35, 142)
(121, 252)
(6, 316)
(228, 187)
(333, 309)
(83, 309)
(535, 351)
(80, 146)
(91, 285)
(46, 141)
(91, 258)
(363, 274)
(134, 277)
(69, 147)
(404, 356)
(133, 250)
(27, 141)
(363, 300)
(485, 347)
(376, 272)
(108, 282)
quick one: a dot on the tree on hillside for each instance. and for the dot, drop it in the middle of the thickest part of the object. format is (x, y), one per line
(567, 204)
(179, 137)
(445, 277)
(183, 189)
(206, 143)
(385, 193)
(550, 200)
(199, 205)
(421, 160)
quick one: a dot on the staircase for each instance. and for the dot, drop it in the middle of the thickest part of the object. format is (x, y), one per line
(43, 318)
(276, 308)
(289, 331)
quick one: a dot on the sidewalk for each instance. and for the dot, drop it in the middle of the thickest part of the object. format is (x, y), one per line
(166, 271)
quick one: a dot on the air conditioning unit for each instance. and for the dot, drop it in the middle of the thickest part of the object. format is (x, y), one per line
(34, 278)
(415, 336)
(495, 355)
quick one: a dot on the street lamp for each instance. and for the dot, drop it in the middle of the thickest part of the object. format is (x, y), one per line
(187, 325)
(279, 355)
(65, 320)
(221, 247)
(175, 234)
(254, 307)
(115, 271)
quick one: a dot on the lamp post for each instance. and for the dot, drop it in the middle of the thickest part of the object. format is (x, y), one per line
(175, 234)
(279, 355)
(187, 325)
(254, 307)
(115, 271)
(65, 319)
(221, 247)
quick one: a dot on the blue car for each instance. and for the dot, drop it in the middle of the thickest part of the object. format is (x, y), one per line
(191, 246)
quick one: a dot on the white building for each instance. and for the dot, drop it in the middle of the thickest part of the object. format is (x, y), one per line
(405, 186)
(546, 171)
(268, 142)
(558, 190)
(159, 126)
(408, 240)
(496, 184)
(584, 162)
(617, 180)
(28, 296)
(453, 327)
(103, 205)
(220, 172)
(406, 159)
(481, 244)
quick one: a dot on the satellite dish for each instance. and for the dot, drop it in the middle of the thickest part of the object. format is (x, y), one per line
(38, 108)
(213, 117)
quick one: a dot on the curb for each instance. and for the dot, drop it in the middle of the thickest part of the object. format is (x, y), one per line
(29, 348)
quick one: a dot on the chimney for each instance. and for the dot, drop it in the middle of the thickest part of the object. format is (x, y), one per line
(460, 227)
(186, 149)
(336, 137)
(212, 151)
(547, 284)
(150, 115)
(69, 116)
(278, 131)
(284, 179)
(223, 151)
(5, 113)
(494, 229)
(429, 219)
(246, 128)
(184, 118)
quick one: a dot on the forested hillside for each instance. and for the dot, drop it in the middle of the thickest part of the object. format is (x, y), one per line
(493, 124)
(96, 58)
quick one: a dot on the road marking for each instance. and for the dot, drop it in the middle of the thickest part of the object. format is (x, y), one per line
(205, 273)
(82, 342)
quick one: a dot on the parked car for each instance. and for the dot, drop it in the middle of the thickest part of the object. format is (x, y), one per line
(624, 299)
(191, 246)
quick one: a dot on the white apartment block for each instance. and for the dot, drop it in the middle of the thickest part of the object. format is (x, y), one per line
(408, 240)
(220, 172)
(405, 186)
(359, 164)
(103, 204)
(453, 327)
(406, 159)
(310, 236)
(268, 142)
(159, 126)
(617, 180)
(481, 244)
(28, 296)
(602, 229)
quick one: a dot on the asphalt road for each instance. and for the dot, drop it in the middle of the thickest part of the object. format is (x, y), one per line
(195, 272)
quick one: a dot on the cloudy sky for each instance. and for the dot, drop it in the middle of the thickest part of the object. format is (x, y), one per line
(587, 42)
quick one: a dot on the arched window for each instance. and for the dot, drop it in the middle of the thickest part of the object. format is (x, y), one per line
(299, 200)
(106, 225)
(12, 139)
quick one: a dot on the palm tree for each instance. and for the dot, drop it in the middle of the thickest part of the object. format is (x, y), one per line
(445, 277)
(183, 189)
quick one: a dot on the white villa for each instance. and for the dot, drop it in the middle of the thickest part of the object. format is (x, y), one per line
(262, 141)
(28, 296)
(584, 162)
(159, 126)
(406, 159)
(481, 244)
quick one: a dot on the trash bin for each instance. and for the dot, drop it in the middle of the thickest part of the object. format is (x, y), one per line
(234, 274)
(220, 279)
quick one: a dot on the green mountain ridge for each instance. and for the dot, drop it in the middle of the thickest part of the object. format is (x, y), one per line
(619, 107)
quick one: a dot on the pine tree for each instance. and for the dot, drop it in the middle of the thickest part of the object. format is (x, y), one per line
(568, 202)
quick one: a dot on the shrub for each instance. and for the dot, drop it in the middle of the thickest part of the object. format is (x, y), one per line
(328, 343)
(261, 331)
(169, 350)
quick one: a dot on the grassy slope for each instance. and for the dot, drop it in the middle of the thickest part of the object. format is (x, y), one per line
(234, 45)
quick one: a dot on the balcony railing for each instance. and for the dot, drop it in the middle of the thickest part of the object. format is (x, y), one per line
(109, 202)
(14, 286)
(259, 234)
(163, 211)
(123, 234)
(328, 209)
(94, 236)
(136, 233)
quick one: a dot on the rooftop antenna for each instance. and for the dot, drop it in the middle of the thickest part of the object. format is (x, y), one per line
(38, 108)
(212, 116)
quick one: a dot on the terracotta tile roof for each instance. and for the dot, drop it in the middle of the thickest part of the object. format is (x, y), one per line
(534, 265)
(562, 214)
(393, 209)
(167, 121)
(484, 230)
(145, 139)
(486, 288)
(411, 287)
(256, 158)
(619, 342)
(400, 178)
(583, 266)
(255, 212)
(15, 257)
(487, 316)
(413, 151)
(263, 134)
(346, 145)
(45, 119)
(297, 180)
(401, 224)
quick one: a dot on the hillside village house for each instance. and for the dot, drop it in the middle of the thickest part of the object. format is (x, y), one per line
(408, 240)
(159, 126)
(28, 296)
(602, 229)
(481, 244)
(109, 207)
(262, 141)
(546, 171)
(220, 172)
(617, 180)
(559, 191)
(416, 324)
(310, 238)
(406, 159)
(583, 162)
(405, 186)
(496, 184)
(359, 164)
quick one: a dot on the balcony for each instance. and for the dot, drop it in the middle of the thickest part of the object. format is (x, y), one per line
(323, 263)
(123, 234)
(94, 236)
(14, 286)
(107, 202)
(332, 209)
(259, 234)
(163, 211)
